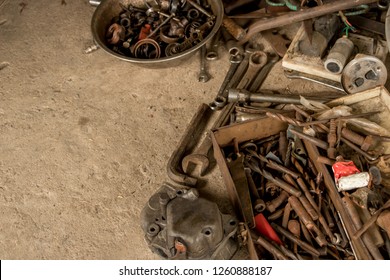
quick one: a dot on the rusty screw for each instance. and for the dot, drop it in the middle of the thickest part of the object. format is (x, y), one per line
(332, 138)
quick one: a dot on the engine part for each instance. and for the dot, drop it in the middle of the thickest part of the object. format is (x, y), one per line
(338, 55)
(204, 76)
(178, 224)
(362, 73)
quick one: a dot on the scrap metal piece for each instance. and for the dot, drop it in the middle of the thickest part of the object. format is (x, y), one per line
(292, 17)
(173, 230)
(174, 171)
(292, 74)
(362, 73)
(237, 171)
(339, 55)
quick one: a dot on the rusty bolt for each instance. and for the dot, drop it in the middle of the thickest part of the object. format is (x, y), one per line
(332, 138)
(275, 203)
(364, 142)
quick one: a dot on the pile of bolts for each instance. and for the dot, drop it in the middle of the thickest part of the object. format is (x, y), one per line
(163, 29)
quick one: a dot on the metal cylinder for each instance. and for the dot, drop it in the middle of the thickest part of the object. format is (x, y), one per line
(94, 2)
(338, 55)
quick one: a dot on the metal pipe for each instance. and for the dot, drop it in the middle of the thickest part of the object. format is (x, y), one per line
(319, 143)
(305, 246)
(246, 96)
(301, 15)
(268, 246)
(349, 206)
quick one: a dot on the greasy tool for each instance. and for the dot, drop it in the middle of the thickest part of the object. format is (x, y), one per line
(257, 60)
(219, 101)
(204, 76)
(237, 171)
(199, 158)
(259, 204)
(280, 183)
(245, 96)
(258, 81)
(212, 51)
(199, 154)
(194, 128)
(292, 74)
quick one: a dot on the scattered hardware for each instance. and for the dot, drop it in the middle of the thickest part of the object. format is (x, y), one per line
(162, 29)
(174, 230)
(295, 187)
(353, 64)
(305, 174)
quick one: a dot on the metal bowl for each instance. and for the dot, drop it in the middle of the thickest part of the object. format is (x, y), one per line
(108, 9)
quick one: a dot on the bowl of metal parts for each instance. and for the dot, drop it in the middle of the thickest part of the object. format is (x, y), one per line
(155, 33)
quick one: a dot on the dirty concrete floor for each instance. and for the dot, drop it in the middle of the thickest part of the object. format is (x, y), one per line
(85, 138)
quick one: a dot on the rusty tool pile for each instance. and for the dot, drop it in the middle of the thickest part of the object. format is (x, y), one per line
(163, 29)
(288, 197)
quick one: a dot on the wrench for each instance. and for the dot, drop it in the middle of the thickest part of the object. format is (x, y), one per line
(257, 60)
(199, 155)
(204, 76)
(212, 52)
(219, 102)
(186, 142)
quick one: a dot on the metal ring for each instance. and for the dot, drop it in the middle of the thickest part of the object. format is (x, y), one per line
(171, 49)
(125, 22)
(193, 14)
(220, 101)
(149, 53)
(165, 38)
